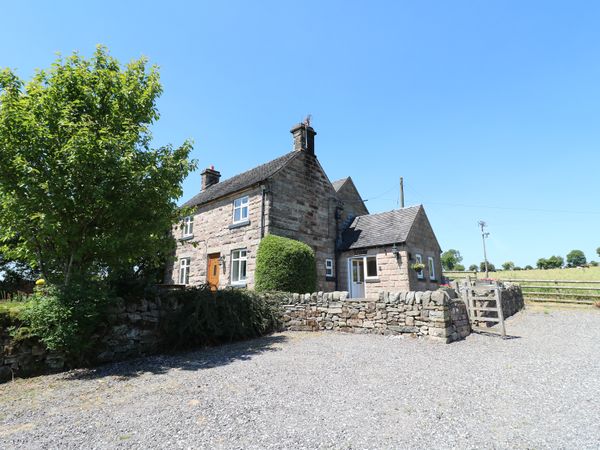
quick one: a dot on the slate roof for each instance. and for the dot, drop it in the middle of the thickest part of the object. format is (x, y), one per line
(379, 229)
(339, 183)
(241, 181)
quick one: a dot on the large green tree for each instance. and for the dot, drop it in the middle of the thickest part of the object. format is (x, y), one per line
(82, 193)
(576, 258)
(450, 259)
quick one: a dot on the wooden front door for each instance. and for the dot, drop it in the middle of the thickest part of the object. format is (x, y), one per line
(213, 271)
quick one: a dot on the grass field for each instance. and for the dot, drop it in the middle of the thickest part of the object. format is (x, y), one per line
(576, 274)
(584, 286)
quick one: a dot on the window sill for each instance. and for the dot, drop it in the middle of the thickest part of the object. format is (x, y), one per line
(186, 238)
(238, 285)
(371, 280)
(239, 224)
(329, 278)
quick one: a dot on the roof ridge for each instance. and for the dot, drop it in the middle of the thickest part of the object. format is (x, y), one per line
(392, 211)
(242, 180)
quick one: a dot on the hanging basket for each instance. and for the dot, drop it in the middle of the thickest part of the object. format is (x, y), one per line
(417, 267)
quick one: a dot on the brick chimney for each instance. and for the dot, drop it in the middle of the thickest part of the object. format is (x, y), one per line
(304, 138)
(210, 176)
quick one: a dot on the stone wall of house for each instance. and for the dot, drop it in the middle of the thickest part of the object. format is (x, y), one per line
(435, 314)
(392, 272)
(352, 202)
(421, 240)
(302, 205)
(214, 233)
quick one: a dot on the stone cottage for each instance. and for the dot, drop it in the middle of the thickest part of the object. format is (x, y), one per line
(291, 196)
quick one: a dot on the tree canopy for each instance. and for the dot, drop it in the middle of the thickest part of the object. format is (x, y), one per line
(450, 259)
(554, 262)
(508, 265)
(81, 190)
(576, 258)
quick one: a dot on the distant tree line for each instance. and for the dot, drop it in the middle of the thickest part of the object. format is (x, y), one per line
(452, 258)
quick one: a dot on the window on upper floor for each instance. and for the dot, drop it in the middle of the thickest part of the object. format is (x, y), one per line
(431, 265)
(188, 226)
(239, 259)
(329, 267)
(184, 271)
(419, 260)
(240, 209)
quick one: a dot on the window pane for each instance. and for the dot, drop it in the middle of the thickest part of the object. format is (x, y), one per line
(237, 202)
(245, 212)
(236, 215)
(372, 266)
(235, 268)
(242, 270)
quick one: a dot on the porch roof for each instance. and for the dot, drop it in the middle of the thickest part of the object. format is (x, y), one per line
(372, 230)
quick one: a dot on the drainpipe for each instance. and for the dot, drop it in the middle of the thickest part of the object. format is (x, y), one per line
(265, 191)
(336, 252)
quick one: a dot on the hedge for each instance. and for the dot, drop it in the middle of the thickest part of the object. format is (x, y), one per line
(205, 317)
(285, 265)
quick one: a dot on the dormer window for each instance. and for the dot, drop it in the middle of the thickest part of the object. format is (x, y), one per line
(240, 209)
(188, 226)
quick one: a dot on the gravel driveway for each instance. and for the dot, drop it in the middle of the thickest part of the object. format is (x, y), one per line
(540, 389)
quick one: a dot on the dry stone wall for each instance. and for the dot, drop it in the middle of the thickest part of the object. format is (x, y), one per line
(133, 330)
(436, 314)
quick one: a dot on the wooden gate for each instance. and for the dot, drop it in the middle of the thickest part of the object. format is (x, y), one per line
(484, 305)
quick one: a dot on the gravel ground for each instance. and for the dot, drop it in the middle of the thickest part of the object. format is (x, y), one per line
(540, 389)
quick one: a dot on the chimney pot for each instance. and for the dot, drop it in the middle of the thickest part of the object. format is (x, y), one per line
(210, 176)
(304, 138)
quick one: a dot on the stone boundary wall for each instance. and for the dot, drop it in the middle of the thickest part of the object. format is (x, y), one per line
(435, 314)
(134, 329)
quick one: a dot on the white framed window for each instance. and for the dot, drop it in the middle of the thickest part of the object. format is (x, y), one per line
(370, 267)
(184, 271)
(419, 260)
(431, 268)
(239, 259)
(329, 267)
(188, 226)
(240, 209)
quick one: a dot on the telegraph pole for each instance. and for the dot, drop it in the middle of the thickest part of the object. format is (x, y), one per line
(484, 236)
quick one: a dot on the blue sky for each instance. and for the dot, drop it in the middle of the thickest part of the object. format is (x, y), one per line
(489, 110)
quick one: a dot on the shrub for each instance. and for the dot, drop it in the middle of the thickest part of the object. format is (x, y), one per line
(205, 317)
(284, 264)
(473, 268)
(528, 267)
(459, 267)
(64, 320)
